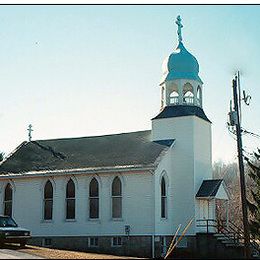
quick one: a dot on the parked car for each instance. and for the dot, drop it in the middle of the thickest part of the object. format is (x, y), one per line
(10, 232)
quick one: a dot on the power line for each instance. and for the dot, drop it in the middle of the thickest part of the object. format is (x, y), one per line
(251, 133)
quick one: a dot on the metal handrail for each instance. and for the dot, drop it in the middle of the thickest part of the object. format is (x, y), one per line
(207, 225)
(231, 229)
(239, 235)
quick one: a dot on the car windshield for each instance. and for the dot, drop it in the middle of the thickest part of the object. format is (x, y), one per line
(7, 222)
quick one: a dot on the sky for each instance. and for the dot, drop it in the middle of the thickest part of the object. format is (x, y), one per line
(89, 70)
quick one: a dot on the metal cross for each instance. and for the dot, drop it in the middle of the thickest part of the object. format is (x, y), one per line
(178, 22)
(30, 132)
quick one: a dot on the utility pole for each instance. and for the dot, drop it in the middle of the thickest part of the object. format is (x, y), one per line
(241, 167)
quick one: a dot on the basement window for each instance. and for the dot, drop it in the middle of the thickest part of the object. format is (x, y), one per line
(117, 241)
(93, 241)
(47, 242)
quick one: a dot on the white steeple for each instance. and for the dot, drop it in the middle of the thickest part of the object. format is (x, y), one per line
(181, 84)
(181, 93)
(183, 120)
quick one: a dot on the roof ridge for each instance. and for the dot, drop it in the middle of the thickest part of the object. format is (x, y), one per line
(132, 148)
(13, 152)
(91, 136)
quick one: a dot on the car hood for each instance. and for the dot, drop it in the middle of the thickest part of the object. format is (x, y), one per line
(13, 229)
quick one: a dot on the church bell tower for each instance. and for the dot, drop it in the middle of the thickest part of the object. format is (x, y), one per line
(182, 118)
(181, 86)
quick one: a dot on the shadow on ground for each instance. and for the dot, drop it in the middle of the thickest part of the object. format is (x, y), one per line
(15, 246)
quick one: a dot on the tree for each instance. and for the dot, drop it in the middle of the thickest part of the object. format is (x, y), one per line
(254, 196)
(229, 173)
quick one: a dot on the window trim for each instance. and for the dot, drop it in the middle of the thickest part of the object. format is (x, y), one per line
(117, 237)
(44, 200)
(70, 198)
(116, 196)
(8, 201)
(165, 197)
(94, 197)
(89, 244)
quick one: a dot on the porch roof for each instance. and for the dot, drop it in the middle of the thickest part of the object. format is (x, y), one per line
(211, 188)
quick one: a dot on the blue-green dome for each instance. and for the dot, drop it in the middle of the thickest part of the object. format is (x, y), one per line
(181, 65)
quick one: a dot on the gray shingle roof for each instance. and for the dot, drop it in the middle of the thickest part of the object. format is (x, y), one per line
(209, 188)
(134, 148)
(182, 110)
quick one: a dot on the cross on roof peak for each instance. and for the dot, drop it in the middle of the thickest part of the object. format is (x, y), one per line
(178, 22)
(30, 132)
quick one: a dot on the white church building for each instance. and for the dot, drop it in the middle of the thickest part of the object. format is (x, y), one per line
(122, 193)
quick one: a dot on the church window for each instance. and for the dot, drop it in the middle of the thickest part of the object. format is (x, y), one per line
(163, 198)
(8, 200)
(48, 200)
(116, 198)
(93, 199)
(70, 200)
(199, 95)
(162, 96)
(174, 98)
(188, 95)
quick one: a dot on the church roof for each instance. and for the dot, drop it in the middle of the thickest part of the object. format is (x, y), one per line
(135, 148)
(209, 188)
(182, 110)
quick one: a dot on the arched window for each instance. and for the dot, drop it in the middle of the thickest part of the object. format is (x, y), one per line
(199, 95)
(162, 96)
(174, 98)
(116, 198)
(163, 199)
(48, 200)
(8, 200)
(188, 96)
(93, 199)
(70, 200)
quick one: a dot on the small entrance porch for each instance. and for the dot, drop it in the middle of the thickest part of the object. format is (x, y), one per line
(209, 194)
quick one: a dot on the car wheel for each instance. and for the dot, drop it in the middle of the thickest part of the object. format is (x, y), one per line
(22, 244)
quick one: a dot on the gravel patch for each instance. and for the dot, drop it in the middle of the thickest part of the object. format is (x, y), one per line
(65, 254)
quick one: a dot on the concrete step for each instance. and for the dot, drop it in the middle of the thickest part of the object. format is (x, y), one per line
(223, 235)
(225, 238)
(232, 244)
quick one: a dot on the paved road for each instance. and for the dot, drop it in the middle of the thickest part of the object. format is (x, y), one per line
(13, 254)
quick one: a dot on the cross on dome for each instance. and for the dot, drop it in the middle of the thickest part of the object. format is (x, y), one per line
(178, 22)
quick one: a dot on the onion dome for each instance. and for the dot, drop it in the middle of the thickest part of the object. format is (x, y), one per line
(180, 64)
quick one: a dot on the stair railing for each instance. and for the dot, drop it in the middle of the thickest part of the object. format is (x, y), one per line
(207, 223)
(238, 233)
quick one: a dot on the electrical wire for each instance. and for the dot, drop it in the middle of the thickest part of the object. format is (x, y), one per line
(250, 133)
